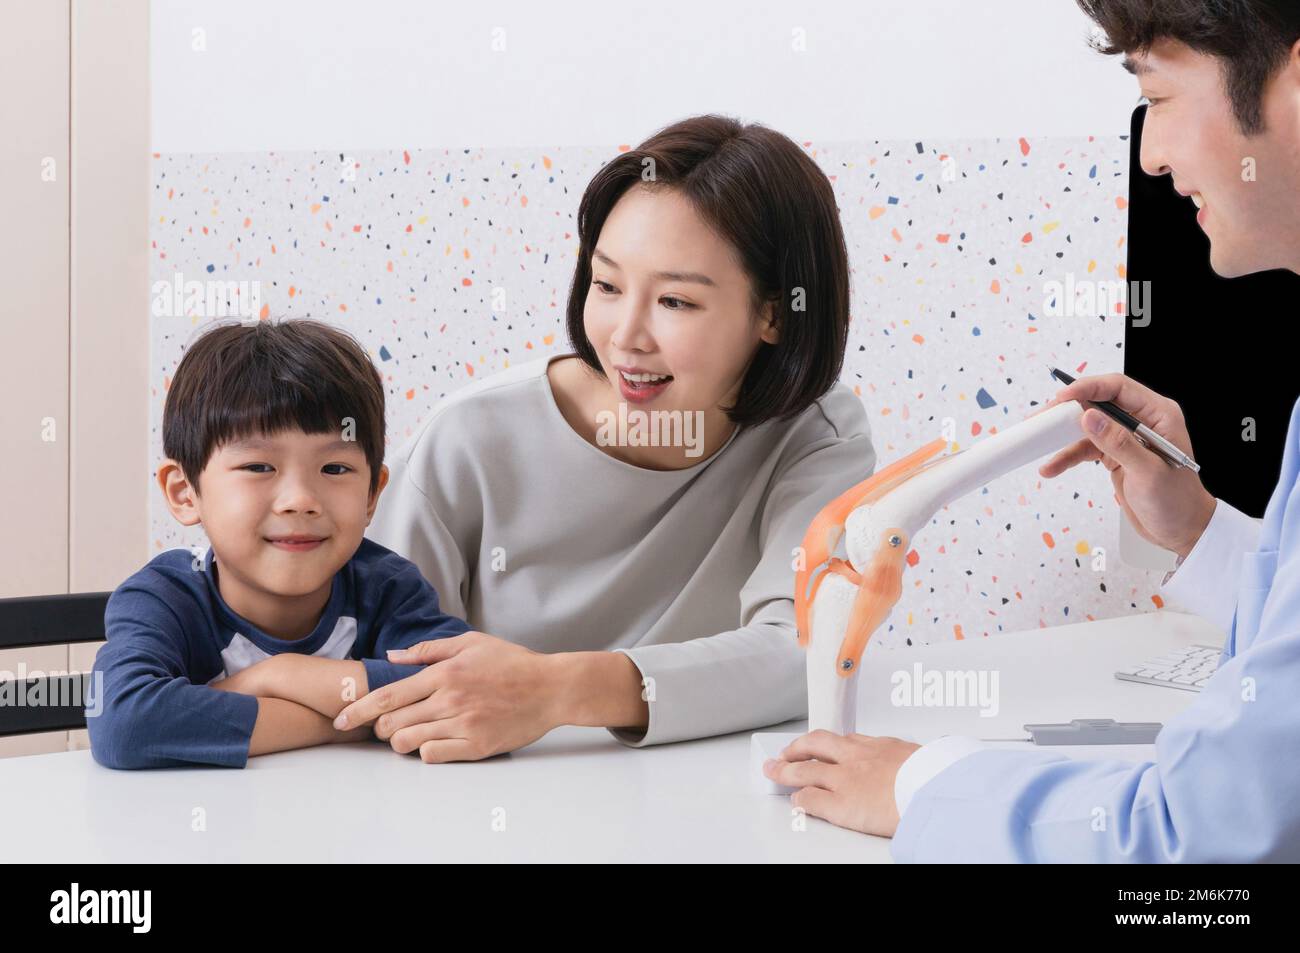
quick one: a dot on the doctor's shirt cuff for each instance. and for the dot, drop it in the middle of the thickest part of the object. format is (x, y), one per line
(926, 762)
(1206, 581)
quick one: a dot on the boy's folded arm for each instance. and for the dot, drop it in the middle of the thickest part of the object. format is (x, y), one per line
(407, 615)
(324, 685)
(145, 712)
(149, 714)
(283, 725)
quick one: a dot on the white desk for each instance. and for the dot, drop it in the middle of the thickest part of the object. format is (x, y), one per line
(576, 795)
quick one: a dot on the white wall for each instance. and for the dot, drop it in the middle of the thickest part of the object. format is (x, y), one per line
(320, 74)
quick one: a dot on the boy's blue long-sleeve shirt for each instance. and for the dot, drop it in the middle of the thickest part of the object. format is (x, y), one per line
(170, 633)
(1224, 785)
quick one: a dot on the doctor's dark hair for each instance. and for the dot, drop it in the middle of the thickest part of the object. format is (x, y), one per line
(771, 202)
(1252, 39)
(244, 380)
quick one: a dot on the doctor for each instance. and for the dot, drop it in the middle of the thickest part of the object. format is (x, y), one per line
(1223, 83)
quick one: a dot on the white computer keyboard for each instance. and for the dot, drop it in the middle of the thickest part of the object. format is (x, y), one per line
(1188, 668)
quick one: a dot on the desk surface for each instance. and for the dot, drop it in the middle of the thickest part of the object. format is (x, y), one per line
(575, 795)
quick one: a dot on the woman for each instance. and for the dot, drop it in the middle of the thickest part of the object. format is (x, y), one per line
(640, 578)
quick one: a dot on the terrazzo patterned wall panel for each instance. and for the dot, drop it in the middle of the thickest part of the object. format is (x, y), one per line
(451, 265)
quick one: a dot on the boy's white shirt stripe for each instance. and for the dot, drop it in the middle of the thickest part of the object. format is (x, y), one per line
(240, 653)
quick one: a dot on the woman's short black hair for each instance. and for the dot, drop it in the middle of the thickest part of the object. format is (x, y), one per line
(1252, 37)
(241, 380)
(766, 197)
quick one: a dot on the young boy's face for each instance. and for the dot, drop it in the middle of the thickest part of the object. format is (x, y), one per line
(1245, 184)
(284, 512)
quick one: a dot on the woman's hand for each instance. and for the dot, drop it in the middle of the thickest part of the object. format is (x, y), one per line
(851, 782)
(479, 696)
(1167, 506)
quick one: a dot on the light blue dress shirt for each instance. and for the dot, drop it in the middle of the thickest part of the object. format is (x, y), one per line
(1225, 786)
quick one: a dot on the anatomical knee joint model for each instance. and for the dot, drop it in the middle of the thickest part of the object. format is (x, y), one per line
(838, 603)
(841, 602)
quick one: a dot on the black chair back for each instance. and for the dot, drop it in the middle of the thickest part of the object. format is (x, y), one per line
(53, 702)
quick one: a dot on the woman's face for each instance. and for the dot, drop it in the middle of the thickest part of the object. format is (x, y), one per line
(670, 299)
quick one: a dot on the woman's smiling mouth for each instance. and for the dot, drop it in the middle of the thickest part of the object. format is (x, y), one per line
(639, 385)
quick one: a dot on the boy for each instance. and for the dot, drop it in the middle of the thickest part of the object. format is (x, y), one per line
(274, 435)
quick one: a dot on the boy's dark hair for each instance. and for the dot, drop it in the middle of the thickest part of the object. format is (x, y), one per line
(1252, 37)
(772, 203)
(241, 380)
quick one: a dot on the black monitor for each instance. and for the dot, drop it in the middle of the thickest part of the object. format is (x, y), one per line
(1220, 347)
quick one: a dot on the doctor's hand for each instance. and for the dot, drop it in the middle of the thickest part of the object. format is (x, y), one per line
(479, 696)
(1167, 505)
(851, 782)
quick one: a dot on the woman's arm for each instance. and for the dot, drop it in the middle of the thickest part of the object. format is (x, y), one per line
(481, 695)
(597, 689)
(602, 690)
